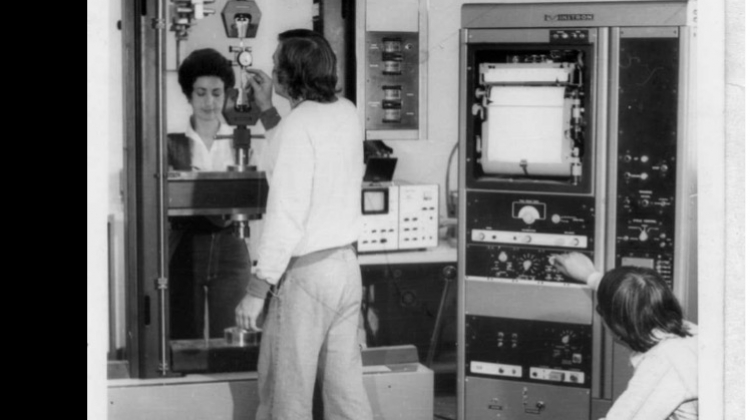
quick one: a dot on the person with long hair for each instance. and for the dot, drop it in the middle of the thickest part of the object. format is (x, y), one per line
(642, 313)
(305, 253)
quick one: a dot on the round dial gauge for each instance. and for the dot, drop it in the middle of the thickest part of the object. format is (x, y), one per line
(245, 59)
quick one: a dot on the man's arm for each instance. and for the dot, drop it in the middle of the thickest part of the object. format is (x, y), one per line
(270, 118)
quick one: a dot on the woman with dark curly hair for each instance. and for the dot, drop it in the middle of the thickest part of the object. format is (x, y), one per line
(209, 266)
(640, 310)
(305, 256)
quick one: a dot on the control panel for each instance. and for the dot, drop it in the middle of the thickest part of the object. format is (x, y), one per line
(513, 236)
(527, 350)
(392, 81)
(399, 217)
(647, 155)
(569, 36)
(574, 132)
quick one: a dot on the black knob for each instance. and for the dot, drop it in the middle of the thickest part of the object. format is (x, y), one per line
(449, 272)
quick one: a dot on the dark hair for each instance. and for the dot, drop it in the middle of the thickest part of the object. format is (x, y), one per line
(306, 66)
(204, 62)
(633, 301)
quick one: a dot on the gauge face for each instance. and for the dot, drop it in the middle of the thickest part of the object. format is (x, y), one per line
(528, 266)
(245, 59)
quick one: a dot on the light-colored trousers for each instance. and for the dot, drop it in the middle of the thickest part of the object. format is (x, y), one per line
(311, 330)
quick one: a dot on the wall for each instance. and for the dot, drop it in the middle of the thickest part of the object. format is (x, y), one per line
(98, 134)
(736, 305)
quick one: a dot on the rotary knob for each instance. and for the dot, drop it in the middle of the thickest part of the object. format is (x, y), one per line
(449, 272)
(529, 214)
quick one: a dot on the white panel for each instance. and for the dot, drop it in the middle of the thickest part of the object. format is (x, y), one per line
(525, 124)
(392, 15)
(496, 369)
(403, 395)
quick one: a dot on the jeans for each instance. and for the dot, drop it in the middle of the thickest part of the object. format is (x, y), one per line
(311, 330)
(210, 267)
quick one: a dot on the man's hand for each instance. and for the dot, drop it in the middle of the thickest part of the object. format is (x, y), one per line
(247, 312)
(262, 85)
(574, 265)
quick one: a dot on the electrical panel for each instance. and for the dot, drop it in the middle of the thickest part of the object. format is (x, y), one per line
(392, 81)
(572, 138)
(392, 75)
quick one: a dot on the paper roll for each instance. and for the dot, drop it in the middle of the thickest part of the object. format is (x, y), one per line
(524, 132)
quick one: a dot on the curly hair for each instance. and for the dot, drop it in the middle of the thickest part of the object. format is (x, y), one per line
(204, 62)
(633, 301)
(306, 66)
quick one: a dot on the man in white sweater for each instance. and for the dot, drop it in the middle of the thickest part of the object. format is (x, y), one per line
(305, 256)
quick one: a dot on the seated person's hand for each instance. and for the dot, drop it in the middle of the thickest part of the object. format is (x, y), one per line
(574, 265)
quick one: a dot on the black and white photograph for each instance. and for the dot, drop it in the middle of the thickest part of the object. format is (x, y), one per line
(416, 210)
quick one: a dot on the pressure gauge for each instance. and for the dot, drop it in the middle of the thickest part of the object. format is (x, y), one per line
(245, 59)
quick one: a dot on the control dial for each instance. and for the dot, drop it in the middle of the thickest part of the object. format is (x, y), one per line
(568, 337)
(529, 266)
(529, 214)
